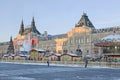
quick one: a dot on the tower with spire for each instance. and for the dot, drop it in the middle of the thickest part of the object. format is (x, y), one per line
(21, 31)
(84, 21)
(10, 49)
(29, 33)
(33, 27)
(33, 23)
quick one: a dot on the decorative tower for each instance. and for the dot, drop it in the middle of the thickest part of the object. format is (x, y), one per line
(33, 27)
(21, 31)
(10, 49)
(33, 22)
(34, 33)
(84, 21)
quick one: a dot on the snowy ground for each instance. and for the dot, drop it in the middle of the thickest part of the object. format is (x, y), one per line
(13, 71)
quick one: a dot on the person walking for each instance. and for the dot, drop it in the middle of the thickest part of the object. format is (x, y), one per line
(48, 63)
(86, 62)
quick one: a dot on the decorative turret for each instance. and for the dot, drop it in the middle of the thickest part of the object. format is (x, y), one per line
(33, 22)
(10, 49)
(21, 31)
(33, 27)
(84, 21)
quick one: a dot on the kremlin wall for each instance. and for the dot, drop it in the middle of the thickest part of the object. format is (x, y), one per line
(79, 41)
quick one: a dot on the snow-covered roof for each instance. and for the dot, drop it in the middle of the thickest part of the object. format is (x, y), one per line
(39, 49)
(12, 54)
(47, 54)
(21, 55)
(57, 54)
(113, 37)
(73, 54)
(5, 54)
(70, 54)
(109, 40)
(25, 55)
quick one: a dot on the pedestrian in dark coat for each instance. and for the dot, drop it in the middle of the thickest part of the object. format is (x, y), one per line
(86, 62)
(48, 63)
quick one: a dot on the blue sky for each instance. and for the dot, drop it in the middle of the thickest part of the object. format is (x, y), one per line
(55, 16)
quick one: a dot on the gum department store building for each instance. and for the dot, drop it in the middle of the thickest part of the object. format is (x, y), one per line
(81, 38)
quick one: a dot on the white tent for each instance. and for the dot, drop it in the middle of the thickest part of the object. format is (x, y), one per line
(26, 46)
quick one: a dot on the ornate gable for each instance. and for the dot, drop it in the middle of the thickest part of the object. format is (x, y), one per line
(84, 21)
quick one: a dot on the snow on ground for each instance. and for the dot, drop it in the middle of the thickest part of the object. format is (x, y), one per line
(38, 71)
(68, 65)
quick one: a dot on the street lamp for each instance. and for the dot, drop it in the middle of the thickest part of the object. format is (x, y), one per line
(78, 50)
(78, 45)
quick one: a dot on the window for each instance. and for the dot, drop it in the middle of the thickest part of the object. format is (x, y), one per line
(71, 41)
(82, 41)
(79, 41)
(88, 40)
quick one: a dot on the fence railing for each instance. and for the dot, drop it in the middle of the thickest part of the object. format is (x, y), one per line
(71, 63)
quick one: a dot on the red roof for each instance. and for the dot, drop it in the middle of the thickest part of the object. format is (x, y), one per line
(107, 44)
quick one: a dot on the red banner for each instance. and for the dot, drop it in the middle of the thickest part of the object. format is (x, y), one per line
(34, 41)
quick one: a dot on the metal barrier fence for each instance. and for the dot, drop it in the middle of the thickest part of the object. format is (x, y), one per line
(71, 63)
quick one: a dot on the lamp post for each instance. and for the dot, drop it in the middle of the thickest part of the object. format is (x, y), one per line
(85, 41)
(78, 45)
(78, 50)
(91, 42)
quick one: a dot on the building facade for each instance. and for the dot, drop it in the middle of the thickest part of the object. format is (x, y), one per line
(82, 36)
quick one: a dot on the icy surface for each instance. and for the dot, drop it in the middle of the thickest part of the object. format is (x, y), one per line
(10, 71)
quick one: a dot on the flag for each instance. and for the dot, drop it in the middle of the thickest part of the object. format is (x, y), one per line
(34, 41)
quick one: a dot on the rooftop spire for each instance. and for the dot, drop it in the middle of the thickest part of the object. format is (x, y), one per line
(21, 31)
(33, 27)
(33, 22)
(84, 21)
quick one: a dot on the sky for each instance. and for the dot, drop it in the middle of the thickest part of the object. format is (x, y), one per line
(55, 16)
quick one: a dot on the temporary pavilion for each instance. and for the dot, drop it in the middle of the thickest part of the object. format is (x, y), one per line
(110, 47)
